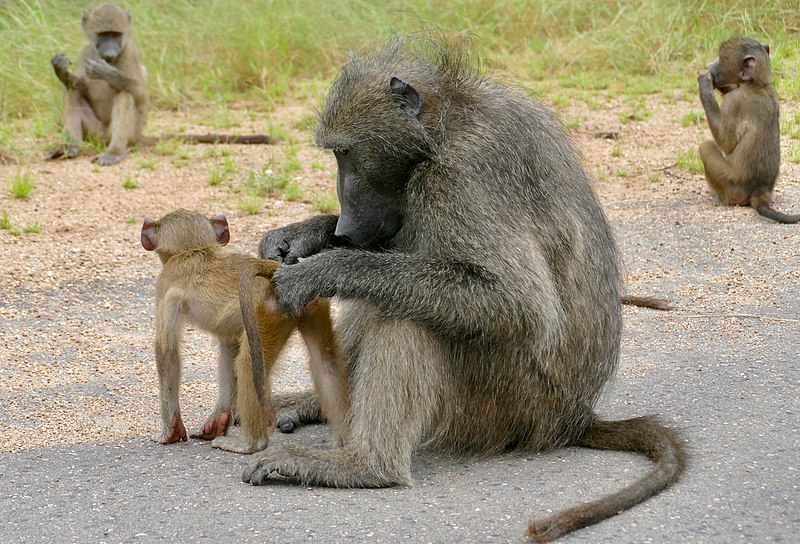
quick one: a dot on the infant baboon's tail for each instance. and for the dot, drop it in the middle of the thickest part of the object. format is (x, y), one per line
(641, 435)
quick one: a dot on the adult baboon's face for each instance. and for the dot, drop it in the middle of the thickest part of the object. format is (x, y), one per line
(378, 140)
(371, 213)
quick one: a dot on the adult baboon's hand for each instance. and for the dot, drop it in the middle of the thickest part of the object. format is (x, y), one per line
(299, 285)
(293, 242)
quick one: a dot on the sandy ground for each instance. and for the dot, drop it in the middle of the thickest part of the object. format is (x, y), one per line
(77, 304)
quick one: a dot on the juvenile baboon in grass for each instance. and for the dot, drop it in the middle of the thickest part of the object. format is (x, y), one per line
(741, 164)
(108, 95)
(480, 297)
(200, 284)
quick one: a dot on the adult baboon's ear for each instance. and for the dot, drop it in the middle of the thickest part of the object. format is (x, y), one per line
(130, 17)
(84, 18)
(405, 96)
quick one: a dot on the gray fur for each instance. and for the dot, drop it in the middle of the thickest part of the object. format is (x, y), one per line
(492, 319)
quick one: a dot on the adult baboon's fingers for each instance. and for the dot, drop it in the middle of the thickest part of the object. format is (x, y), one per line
(275, 250)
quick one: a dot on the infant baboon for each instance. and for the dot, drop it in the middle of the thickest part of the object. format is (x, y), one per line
(480, 297)
(200, 284)
(108, 95)
(742, 162)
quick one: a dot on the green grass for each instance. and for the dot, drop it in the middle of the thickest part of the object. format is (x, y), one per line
(616, 152)
(293, 192)
(131, 220)
(34, 228)
(638, 113)
(276, 183)
(689, 158)
(572, 125)
(325, 203)
(148, 164)
(694, 117)
(222, 172)
(250, 203)
(279, 49)
(5, 220)
(130, 183)
(167, 146)
(790, 126)
(21, 185)
(794, 153)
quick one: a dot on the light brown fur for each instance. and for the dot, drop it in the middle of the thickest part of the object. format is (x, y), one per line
(106, 98)
(109, 98)
(199, 284)
(742, 162)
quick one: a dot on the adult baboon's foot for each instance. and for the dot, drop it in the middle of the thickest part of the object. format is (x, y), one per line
(330, 467)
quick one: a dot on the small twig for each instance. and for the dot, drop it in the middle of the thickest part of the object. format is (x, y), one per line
(745, 316)
(667, 167)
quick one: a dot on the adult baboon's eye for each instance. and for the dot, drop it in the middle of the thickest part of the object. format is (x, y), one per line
(344, 152)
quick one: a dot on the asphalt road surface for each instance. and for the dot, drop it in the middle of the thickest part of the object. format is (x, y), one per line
(727, 375)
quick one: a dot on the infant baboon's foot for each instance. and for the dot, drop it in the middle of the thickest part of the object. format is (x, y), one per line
(216, 425)
(238, 445)
(175, 433)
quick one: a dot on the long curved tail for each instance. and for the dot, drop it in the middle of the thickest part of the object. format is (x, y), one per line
(763, 208)
(640, 435)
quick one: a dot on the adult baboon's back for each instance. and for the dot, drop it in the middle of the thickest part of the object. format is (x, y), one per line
(481, 302)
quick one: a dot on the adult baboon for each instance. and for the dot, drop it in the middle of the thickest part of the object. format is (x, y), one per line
(741, 164)
(108, 95)
(200, 284)
(480, 304)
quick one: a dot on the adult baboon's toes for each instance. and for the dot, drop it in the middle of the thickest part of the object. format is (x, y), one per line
(273, 460)
(257, 472)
